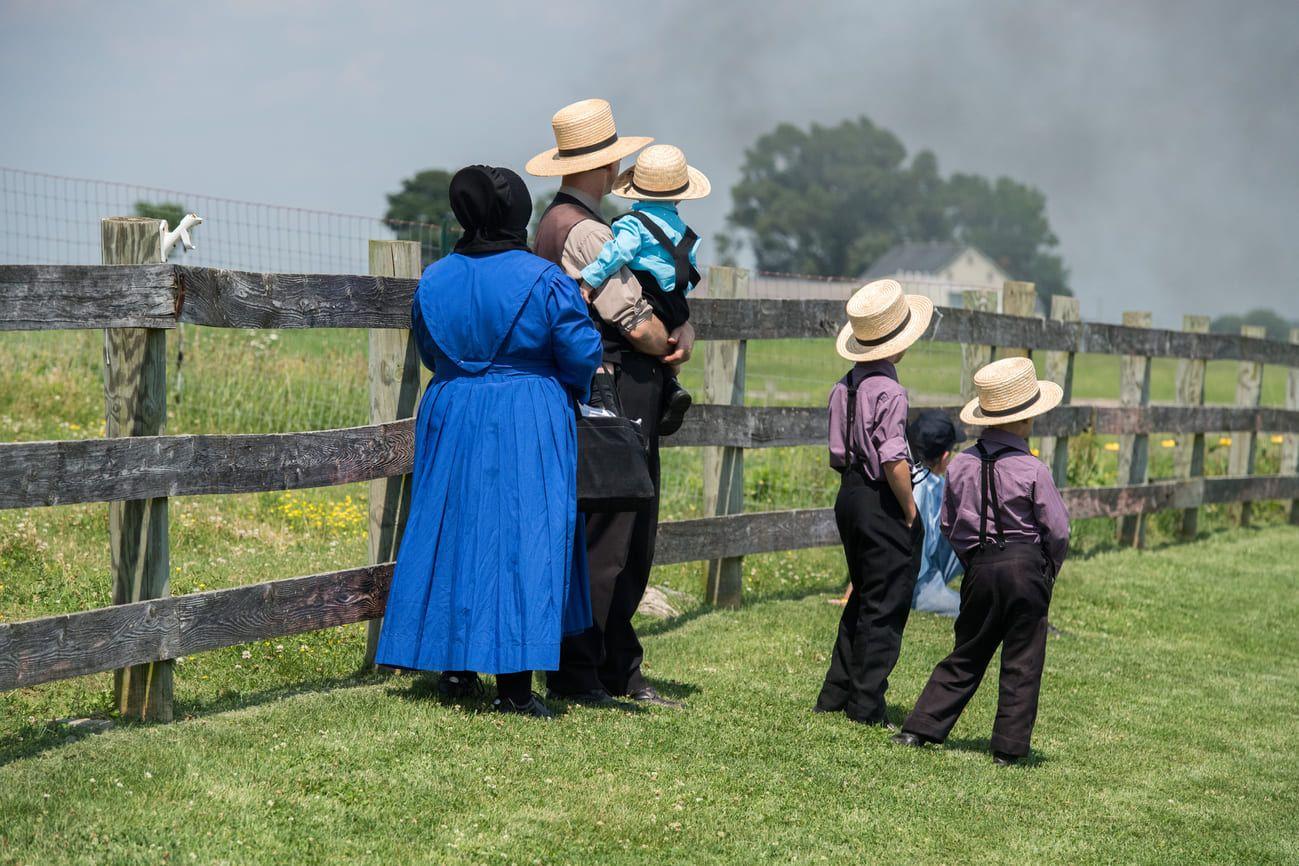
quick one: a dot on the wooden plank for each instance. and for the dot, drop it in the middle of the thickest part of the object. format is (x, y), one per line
(1244, 446)
(1188, 461)
(58, 647)
(973, 355)
(394, 367)
(721, 319)
(37, 474)
(34, 474)
(239, 299)
(724, 466)
(1054, 450)
(1134, 448)
(146, 295)
(1018, 299)
(135, 397)
(51, 297)
(1290, 448)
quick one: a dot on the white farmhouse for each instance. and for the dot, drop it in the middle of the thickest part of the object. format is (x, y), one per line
(941, 270)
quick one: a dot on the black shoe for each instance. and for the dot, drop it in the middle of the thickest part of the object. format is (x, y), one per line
(650, 695)
(593, 698)
(459, 684)
(676, 403)
(1001, 759)
(906, 738)
(532, 707)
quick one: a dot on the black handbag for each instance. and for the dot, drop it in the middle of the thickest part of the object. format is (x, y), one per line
(612, 457)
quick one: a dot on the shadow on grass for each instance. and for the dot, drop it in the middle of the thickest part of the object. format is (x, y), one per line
(38, 737)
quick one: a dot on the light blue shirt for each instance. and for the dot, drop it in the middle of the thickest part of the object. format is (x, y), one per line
(938, 562)
(634, 247)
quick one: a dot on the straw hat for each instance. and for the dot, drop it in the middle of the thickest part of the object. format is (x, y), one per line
(661, 174)
(1009, 390)
(882, 321)
(585, 138)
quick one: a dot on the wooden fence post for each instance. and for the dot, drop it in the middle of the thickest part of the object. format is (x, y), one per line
(1290, 448)
(1017, 299)
(1134, 448)
(394, 374)
(1244, 445)
(1188, 462)
(1059, 369)
(135, 404)
(724, 466)
(974, 356)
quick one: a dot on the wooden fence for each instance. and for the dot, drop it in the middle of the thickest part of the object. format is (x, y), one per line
(136, 468)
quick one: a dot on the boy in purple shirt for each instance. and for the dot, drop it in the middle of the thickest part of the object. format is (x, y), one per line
(874, 510)
(1008, 524)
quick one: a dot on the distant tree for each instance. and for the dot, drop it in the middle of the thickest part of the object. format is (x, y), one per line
(1278, 328)
(1007, 221)
(831, 200)
(172, 212)
(421, 202)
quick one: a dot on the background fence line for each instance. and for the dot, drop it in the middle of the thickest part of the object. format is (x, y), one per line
(140, 471)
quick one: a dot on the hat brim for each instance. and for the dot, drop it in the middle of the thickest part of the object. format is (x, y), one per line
(698, 187)
(1049, 395)
(922, 311)
(551, 164)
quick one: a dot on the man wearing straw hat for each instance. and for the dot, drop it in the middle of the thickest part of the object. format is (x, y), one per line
(606, 660)
(1008, 524)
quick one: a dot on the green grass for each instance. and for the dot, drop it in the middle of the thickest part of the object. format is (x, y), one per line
(1163, 734)
(1166, 734)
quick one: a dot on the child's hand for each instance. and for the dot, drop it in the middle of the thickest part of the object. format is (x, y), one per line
(682, 343)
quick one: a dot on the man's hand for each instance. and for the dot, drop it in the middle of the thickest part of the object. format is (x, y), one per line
(682, 341)
(650, 337)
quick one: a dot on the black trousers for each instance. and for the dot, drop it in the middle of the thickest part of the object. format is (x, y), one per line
(1004, 599)
(620, 550)
(883, 562)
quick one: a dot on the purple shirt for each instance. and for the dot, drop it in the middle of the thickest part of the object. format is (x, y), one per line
(1031, 508)
(881, 422)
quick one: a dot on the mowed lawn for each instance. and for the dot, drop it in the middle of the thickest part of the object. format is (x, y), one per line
(1167, 734)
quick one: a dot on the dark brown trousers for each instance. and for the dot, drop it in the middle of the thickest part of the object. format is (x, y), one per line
(620, 552)
(1004, 599)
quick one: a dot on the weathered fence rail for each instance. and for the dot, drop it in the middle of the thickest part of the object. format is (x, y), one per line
(62, 297)
(65, 472)
(138, 468)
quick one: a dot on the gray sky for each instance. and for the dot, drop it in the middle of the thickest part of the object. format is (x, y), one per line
(1165, 134)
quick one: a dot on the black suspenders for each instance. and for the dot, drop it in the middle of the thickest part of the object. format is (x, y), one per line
(687, 275)
(988, 494)
(854, 382)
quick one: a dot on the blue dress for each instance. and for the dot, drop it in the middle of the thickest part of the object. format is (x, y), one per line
(492, 571)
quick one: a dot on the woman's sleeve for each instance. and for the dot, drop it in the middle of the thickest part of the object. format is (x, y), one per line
(615, 254)
(574, 337)
(423, 340)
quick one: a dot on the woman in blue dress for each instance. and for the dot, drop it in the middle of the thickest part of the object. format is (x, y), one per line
(491, 573)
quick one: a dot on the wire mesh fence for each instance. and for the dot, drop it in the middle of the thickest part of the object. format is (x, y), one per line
(52, 219)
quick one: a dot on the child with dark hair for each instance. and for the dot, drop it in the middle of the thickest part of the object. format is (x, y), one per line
(933, 435)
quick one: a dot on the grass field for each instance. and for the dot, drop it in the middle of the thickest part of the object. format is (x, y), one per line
(1166, 735)
(1162, 735)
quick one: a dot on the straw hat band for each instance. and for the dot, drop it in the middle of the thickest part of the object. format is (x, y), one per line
(676, 191)
(1001, 413)
(590, 148)
(879, 341)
